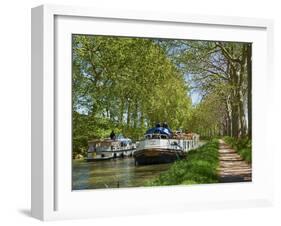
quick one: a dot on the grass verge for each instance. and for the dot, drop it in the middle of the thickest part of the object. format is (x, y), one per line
(199, 167)
(243, 146)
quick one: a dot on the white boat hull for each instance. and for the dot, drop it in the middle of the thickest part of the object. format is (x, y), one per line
(154, 151)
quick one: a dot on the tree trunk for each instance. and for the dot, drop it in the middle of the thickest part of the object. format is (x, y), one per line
(243, 128)
(235, 120)
(121, 112)
(129, 113)
(136, 114)
(241, 92)
(229, 117)
(249, 77)
(141, 117)
(235, 102)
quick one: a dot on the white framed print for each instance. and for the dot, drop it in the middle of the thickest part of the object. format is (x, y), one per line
(144, 112)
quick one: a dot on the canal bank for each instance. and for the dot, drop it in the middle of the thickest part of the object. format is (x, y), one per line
(199, 167)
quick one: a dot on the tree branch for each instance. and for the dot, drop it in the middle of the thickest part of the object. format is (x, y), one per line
(226, 53)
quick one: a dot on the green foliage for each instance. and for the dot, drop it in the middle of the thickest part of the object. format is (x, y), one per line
(199, 167)
(243, 146)
(206, 117)
(126, 85)
(129, 84)
(221, 70)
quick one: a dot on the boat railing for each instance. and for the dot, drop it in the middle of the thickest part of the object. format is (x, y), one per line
(156, 136)
(174, 144)
(183, 144)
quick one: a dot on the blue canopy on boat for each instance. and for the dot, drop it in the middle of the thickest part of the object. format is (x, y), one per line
(160, 130)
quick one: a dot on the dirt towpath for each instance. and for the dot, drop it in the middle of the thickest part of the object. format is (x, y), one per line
(231, 166)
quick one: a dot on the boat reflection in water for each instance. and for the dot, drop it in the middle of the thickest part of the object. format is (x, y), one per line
(161, 145)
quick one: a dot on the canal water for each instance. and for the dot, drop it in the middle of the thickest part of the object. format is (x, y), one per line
(113, 173)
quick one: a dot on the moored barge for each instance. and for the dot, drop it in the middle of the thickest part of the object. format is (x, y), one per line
(105, 149)
(161, 145)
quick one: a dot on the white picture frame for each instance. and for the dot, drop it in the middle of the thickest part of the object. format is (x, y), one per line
(52, 197)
